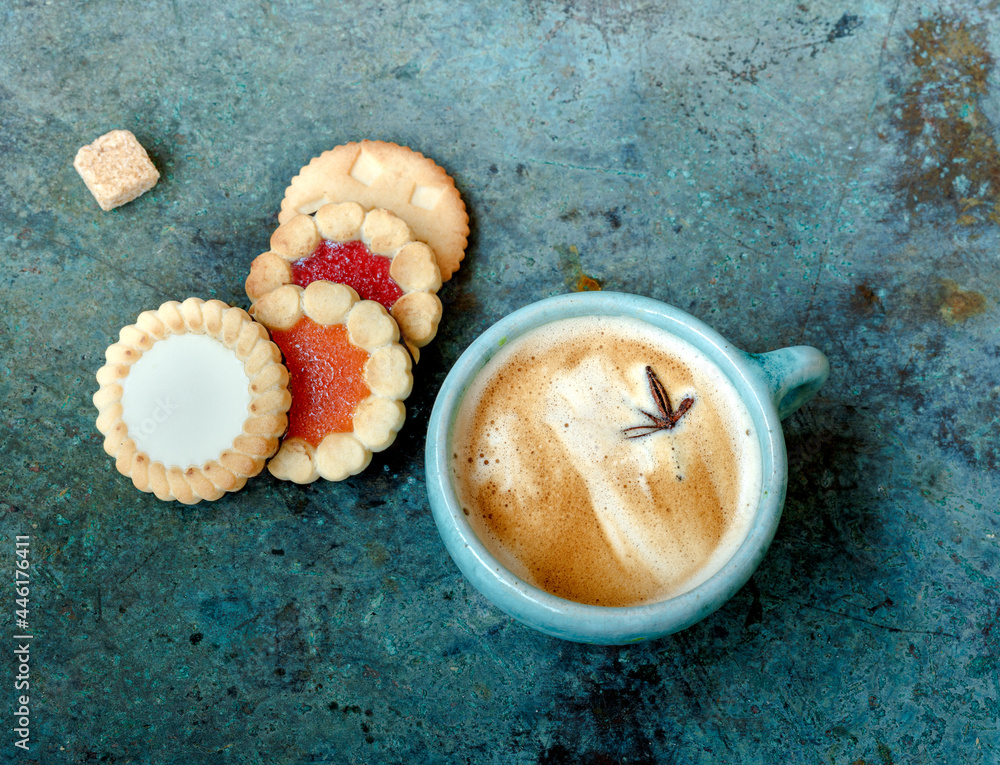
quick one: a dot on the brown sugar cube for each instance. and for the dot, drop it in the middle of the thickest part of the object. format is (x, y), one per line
(116, 169)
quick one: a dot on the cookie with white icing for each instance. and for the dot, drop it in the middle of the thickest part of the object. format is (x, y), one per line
(372, 252)
(378, 174)
(349, 377)
(193, 400)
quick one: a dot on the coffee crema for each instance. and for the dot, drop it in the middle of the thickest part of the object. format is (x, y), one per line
(557, 492)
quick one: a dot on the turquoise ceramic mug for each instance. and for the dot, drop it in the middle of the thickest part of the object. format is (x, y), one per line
(770, 385)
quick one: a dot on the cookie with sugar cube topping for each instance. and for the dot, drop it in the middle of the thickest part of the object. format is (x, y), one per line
(379, 174)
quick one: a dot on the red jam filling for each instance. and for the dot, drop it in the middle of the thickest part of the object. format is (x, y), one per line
(350, 263)
(327, 378)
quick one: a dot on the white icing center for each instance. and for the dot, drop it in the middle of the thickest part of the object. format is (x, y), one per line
(185, 400)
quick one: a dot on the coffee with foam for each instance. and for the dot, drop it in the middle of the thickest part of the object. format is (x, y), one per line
(558, 493)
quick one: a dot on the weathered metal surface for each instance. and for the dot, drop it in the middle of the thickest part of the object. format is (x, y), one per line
(790, 173)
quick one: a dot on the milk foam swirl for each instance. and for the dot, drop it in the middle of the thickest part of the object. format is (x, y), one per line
(562, 498)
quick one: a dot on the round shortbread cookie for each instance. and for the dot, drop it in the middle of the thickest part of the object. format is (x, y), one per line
(193, 400)
(372, 252)
(349, 377)
(377, 174)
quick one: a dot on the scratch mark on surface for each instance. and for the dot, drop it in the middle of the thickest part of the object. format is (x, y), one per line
(245, 624)
(585, 168)
(851, 173)
(46, 573)
(141, 565)
(879, 625)
(781, 104)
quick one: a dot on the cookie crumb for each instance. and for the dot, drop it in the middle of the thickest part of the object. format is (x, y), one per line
(116, 169)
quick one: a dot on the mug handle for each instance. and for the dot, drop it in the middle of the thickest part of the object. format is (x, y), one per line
(793, 375)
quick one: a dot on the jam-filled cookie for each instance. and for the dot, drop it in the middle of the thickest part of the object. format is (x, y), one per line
(377, 174)
(193, 400)
(372, 252)
(349, 377)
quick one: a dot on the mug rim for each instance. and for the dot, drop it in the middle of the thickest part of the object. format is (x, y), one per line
(550, 613)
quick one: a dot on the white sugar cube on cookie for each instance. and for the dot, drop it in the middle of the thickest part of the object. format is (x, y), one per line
(116, 169)
(378, 174)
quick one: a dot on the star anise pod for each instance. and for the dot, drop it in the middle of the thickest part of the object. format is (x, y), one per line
(667, 417)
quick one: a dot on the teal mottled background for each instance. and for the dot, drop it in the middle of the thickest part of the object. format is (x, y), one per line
(812, 172)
